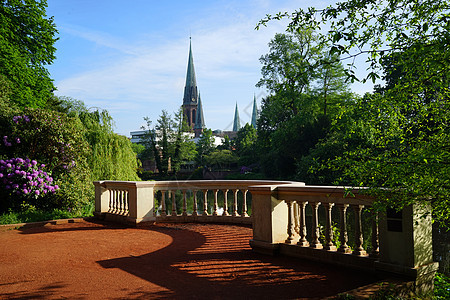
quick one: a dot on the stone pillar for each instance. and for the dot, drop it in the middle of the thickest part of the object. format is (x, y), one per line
(270, 217)
(101, 198)
(406, 245)
(141, 197)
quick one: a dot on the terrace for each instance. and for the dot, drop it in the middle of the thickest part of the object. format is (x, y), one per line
(211, 239)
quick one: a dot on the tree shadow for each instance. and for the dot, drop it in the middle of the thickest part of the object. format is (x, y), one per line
(215, 261)
(44, 292)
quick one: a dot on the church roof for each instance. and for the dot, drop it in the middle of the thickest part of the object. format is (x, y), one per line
(237, 121)
(254, 112)
(190, 89)
(199, 119)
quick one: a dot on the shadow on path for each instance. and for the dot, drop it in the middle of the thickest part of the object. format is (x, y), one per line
(215, 262)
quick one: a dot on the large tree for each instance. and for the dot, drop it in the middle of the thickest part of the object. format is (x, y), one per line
(170, 141)
(27, 38)
(408, 155)
(303, 86)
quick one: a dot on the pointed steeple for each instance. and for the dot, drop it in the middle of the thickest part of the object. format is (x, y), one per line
(254, 112)
(199, 120)
(190, 89)
(237, 121)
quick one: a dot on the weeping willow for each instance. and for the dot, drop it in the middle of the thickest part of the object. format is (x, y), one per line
(112, 157)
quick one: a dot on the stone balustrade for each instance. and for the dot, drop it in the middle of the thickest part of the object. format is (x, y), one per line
(288, 218)
(135, 202)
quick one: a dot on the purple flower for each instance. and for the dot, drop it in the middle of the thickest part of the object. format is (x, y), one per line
(17, 140)
(15, 186)
(26, 118)
(37, 192)
(33, 162)
(8, 165)
(25, 191)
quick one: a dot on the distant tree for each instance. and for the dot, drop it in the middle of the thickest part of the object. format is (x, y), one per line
(303, 86)
(205, 146)
(170, 142)
(245, 145)
(27, 40)
(221, 159)
(184, 148)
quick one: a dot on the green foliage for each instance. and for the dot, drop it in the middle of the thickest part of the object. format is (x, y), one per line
(221, 160)
(307, 93)
(169, 142)
(205, 146)
(26, 47)
(57, 141)
(245, 145)
(111, 155)
(403, 132)
(441, 287)
(31, 214)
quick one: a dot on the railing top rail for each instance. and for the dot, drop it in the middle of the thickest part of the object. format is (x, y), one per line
(191, 184)
(334, 194)
(215, 184)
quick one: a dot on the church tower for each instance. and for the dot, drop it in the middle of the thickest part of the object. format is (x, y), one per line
(236, 121)
(199, 120)
(254, 112)
(190, 98)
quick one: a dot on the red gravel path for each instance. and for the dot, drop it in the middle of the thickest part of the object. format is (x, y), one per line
(93, 260)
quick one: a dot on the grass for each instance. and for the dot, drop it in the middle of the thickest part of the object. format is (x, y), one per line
(31, 214)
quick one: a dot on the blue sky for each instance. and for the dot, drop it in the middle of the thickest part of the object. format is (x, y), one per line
(130, 57)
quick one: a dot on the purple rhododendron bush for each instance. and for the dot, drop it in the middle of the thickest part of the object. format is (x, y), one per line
(43, 162)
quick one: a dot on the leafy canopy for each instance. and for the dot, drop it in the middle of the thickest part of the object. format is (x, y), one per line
(27, 40)
(406, 158)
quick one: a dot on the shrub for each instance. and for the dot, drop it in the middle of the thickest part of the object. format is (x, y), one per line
(57, 142)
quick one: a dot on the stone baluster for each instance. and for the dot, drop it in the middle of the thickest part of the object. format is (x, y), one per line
(296, 218)
(155, 207)
(344, 248)
(163, 203)
(127, 202)
(194, 208)
(122, 202)
(235, 205)
(225, 203)
(110, 200)
(119, 201)
(215, 213)
(359, 250)
(329, 229)
(290, 225)
(184, 203)
(302, 242)
(244, 203)
(315, 243)
(116, 200)
(205, 203)
(375, 241)
(174, 203)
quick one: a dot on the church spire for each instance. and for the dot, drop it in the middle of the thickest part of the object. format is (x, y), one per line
(190, 89)
(190, 98)
(199, 119)
(237, 121)
(254, 112)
